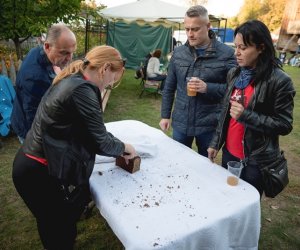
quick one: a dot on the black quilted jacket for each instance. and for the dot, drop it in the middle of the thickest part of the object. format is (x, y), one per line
(196, 115)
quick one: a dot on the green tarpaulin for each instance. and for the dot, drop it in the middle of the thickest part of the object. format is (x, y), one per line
(136, 41)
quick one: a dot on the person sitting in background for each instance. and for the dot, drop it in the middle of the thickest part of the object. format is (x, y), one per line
(282, 56)
(143, 67)
(294, 61)
(153, 72)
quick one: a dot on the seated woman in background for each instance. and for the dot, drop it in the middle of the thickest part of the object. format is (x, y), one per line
(153, 72)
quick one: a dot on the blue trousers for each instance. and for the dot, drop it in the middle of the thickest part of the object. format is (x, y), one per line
(202, 140)
(161, 78)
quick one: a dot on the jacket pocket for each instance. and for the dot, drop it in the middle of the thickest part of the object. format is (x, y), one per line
(213, 72)
(207, 115)
(179, 113)
(73, 169)
(54, 151)
(65, 163)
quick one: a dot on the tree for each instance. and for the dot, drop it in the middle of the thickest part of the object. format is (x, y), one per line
(250, 10)
(268, 11)
(232, 22)
(272, 13)
(21, 19)
(89, 29)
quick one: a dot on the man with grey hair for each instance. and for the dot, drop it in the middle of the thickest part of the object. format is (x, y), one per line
(36, 74)
(207, 61)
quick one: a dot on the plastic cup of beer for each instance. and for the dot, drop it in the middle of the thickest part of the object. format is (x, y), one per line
(235, 169)
(189, 91)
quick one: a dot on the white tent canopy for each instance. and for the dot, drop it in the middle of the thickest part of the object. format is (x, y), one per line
(136, 28)
(147, 11)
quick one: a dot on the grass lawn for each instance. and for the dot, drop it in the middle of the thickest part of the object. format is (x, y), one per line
(280, 216)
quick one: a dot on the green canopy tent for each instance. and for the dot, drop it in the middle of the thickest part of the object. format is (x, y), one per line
(140, 27)
(135, 41)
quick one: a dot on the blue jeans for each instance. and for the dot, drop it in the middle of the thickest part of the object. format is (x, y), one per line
(250, 172)
(161, 78)
(202, 140)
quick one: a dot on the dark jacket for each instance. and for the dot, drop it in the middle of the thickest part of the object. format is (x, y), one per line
(268, 115)
(70, 114)
(196, 115)
(33, 79)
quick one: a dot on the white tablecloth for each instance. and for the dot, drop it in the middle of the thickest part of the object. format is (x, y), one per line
(178, 199)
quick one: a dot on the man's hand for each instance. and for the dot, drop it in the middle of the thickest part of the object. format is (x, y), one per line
(164, 124)
(198, 85)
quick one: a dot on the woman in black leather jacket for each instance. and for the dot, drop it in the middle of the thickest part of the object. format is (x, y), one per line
(51, 170)
(258, 105)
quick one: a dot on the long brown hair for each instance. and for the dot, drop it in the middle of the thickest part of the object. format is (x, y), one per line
(157, 53)
(94, 59)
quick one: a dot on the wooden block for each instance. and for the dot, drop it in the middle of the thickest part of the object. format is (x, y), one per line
(132, 166)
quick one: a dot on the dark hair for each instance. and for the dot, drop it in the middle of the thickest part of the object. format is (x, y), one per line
(256, 33)
(157, 53)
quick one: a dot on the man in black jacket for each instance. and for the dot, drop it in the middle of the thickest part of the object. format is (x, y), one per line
(209, 60)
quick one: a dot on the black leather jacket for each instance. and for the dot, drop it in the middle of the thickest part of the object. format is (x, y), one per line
(70, 113)
(268, 115)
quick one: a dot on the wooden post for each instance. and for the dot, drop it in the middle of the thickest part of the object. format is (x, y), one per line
(105, 95)
(290, 27)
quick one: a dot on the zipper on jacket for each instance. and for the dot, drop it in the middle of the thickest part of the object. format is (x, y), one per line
(243, 140)
(243, 161)
(223, 121)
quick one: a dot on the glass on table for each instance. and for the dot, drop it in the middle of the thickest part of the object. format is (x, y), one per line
(235, 169)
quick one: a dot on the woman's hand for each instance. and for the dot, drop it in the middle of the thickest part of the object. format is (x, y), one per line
(212, 154)
(236, 110)
(129, 152)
